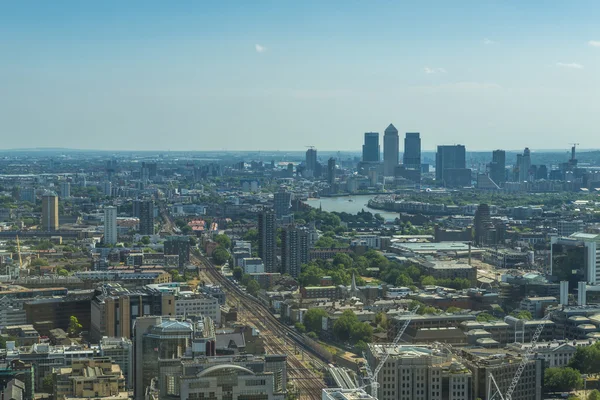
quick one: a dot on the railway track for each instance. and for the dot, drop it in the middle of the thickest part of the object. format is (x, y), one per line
(278, 337)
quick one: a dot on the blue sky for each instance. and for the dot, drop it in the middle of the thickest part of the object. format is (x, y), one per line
(280, 75)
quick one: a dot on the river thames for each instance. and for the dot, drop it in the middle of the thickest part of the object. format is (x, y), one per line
(343, 204)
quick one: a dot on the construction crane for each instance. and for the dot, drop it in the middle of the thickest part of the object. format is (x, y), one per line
(372, 375)
(19, 252)
(520, 369)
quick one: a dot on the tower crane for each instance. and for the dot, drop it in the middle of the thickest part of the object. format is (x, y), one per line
(524, 360)
(372, 375)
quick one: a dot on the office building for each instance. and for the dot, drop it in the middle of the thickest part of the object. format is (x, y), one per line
(391, 150)
(371, 149)
(50, 212)
(191, 303)
(419, 372)
(567, 228)
(94, 378)
(575, 258)
(146, 215)
(412, 151)
(110, 225)
(282, 202)
(450, 164)
(294, 250)
(482, 223)
(331, 171)
(267, 245)
(524, 165)
(114, 309)
(120, 351)
(497, 168)
(248, 377)
(178, 246)
(65, 189)
(311, 162)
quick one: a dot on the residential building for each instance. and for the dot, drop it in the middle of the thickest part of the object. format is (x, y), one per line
(50, 212)
(110, 225)
(252, 265)
(282, 203)
(391, 149)
(94, 378)
(65, 189)
(371, 150)
(267, 246)
(28, 194)
(179, 246)
(146, 215)
(331, 170)
(419, 372)
(294, 249)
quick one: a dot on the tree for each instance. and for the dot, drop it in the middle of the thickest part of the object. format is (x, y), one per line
(485, 317)
(246, 278)
(220, 255)
(453, 310)
(587, 359)
(223, 240)
(48, 384)
(523, 314)
(39, 262)
(349, 328)
(312, 335)
(63, 272)
(74, 326)
(427, 281)
(300, 327)
(594, 395)
(562, 379)
(253, 287)
(313, 319)
(145, 240)
(238, 272)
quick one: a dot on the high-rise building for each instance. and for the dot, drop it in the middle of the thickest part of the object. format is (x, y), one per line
(65, 189)
(146, 215)
(110, 225)
(412, 151)
(391, 150)
(267, 245)
(50, 212)
(450, 160)
(107, 188)
(282, 202)
(311, 162)
(294, 250)
(27, 194)
(524, 165)
(482, 223)
(179, 246)
(331, 171)
(371, 149)
(497, 168)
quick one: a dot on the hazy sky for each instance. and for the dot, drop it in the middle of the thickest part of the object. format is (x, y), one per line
(282, 75)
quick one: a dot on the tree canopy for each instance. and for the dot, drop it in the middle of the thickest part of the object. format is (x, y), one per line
(349, 328)
(562, 379)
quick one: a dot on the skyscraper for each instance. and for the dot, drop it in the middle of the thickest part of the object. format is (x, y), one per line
(178, 246)
(267, 245)
(412, 151)
(65, 190)
(282, 202)
(311, 161)
(498, 167)
(110, 225)
(50, 212)
(482, 222)
(391, 148)
(450, 166)
(524, 164)
(331, 171)
(371, 150)
(146, 215)
(294, 250)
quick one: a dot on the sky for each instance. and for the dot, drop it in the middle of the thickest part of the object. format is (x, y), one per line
(282, 75)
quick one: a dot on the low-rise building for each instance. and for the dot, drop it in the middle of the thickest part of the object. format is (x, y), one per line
(96, 378)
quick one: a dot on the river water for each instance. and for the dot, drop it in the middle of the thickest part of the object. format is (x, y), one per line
(342, 204)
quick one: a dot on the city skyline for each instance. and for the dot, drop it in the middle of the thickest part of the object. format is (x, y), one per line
(168, 77)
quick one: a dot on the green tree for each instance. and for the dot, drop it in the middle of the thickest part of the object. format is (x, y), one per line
(594, 395)
(48, 384)
(404, 280)
(238, 272)
(74, 326)
(145, 240)
(485, 317)
(349, 328)
(220, 255)
(587, 359)
(453, 310)
(63, 272)
(39, 262)
(427, 281)
(253, 287)
(246, 278)
(523, 314)
(313, 319)
(300, 327)
(223, 240)
(562, 379)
